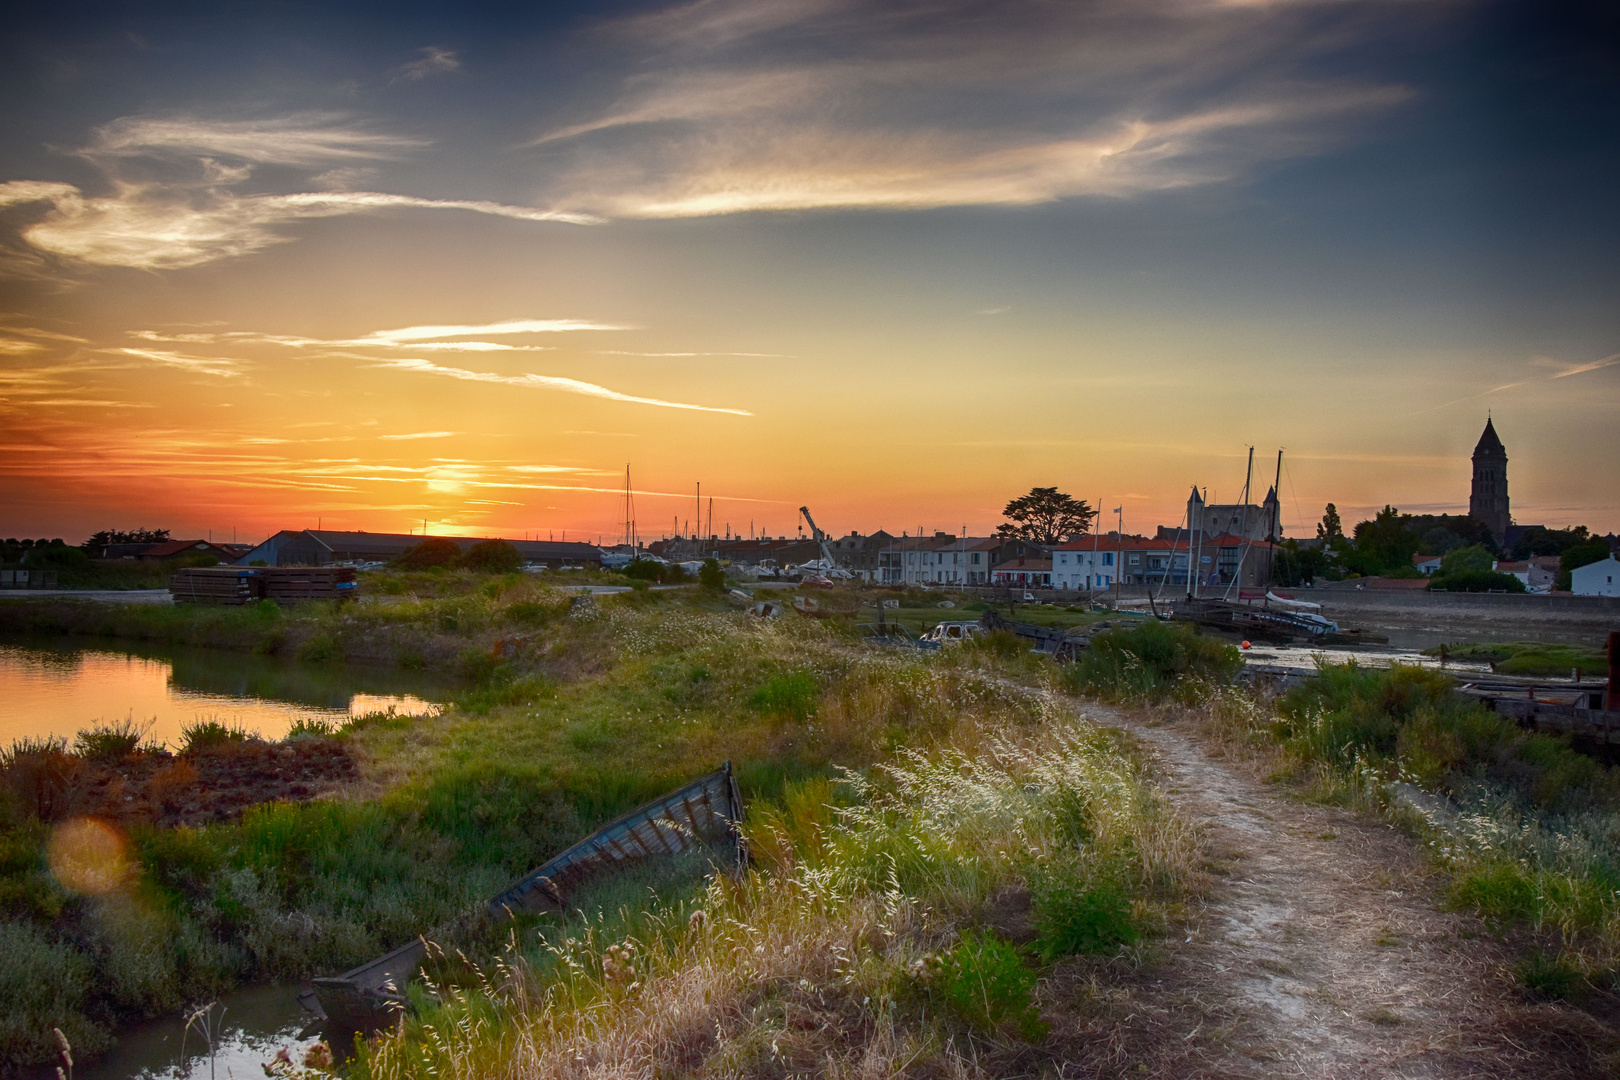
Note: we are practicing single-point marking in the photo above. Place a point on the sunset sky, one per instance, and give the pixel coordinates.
(270, 265)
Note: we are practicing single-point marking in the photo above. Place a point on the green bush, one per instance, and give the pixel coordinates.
(530, 612)
(654, 572)
(1078, 913)
(1552, 978)
(43, 984)
(985, 982)
(1412, 720)
(1151, 660)
(435, 551)
(1476, 581)
(205, 734)
(1475, 558)
(711, 576)
(110, 742)
(492, 557)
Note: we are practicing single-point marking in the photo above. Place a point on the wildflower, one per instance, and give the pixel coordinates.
(318, 1056)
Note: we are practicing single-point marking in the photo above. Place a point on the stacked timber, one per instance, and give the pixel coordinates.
(216, 585)
(292, 584)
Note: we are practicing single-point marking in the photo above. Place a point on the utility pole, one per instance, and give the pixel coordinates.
(1119, 548)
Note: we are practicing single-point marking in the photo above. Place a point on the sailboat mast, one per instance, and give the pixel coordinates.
(1276, 507)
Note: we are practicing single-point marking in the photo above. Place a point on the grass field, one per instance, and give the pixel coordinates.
(575, 714)
(931, 832)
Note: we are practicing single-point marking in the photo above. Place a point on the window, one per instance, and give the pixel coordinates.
(1108, 558)
(1136, 560)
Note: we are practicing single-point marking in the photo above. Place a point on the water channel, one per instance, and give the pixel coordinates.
(52, 686)
(56, 687)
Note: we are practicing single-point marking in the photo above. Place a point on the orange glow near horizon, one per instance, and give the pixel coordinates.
(527, 432)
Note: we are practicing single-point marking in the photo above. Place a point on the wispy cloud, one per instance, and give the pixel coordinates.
(419, 435)
(221, 366)
(510, 326)
(155, 227)
(1565, 371)
(47, 335)
(431, 61)
(249, 337)
(677, 355)
(745, 105)
(299, 139)
(546, 382)
(185, 204)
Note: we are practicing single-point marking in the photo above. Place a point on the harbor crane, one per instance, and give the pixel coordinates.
(826, 566)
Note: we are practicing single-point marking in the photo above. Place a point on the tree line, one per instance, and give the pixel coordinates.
(1383, 546)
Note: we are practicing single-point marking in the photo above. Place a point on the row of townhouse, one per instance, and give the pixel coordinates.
(1083, 565)
(1099, 563)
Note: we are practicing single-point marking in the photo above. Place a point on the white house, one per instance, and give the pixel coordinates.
(1536, 578)
(1596, 579)
(1080, 566)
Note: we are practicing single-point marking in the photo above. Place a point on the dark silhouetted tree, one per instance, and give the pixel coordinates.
(1046, 516)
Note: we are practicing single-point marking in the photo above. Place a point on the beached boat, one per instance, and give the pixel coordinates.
(704, 813)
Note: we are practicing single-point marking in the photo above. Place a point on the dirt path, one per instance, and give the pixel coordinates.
(1322, 952)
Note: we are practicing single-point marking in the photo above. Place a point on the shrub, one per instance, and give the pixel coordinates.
(43, 984)
(1475, 558)
(492, 557)
(110, 742)
(530, 612)
(1412, 719)
(1150, 660)
(711, 576)
(985, 982)
(311, 727)
(1076, 913)
(40, 773)
(1476, 581)
(1551, 978)
(207, 734)
(650, 570)
(435, 551)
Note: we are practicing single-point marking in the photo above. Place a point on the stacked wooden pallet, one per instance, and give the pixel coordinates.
(216, 585)
(291, 584)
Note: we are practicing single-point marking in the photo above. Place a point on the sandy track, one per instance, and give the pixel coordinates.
(1322, 952)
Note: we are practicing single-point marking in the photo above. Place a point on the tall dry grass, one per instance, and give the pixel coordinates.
(846, 950)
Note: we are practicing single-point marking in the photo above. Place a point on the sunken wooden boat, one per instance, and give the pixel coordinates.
(368, 998)
(705, 813)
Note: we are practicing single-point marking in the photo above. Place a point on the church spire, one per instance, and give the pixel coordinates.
(1488, 500)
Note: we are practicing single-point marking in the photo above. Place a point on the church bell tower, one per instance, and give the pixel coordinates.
(1488, 501)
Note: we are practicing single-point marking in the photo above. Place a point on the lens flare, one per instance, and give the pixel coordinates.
(88, 856)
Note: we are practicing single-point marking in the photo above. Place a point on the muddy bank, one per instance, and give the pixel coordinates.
(199, 787)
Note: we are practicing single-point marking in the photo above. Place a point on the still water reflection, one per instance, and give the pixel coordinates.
(255, 1023)
(60, 686)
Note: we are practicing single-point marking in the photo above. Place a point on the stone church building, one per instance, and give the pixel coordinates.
(1488, 500)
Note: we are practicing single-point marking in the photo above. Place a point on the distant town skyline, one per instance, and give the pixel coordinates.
(361, 266)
